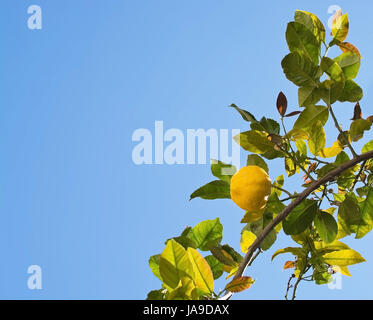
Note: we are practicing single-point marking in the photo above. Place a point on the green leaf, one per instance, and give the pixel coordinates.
(154, 265)
(268, 125)
(246, 115)
(215, 265)
(278, 183)
(300, 218)
(366, 210)
(185, 241)
(296, 251)
(203, 277)
(340, 27)
(300, 70)
(350, 64)
(233, 253)
(349, 215)
(331, 90)
(185, 290)
(254, 141)
(223, 256)
(326, 226)
(255, 160)
(301, 147)
(174, 264)
(310, 115)
(207, 234)
(367, 147)
(343, 258)
(312, 23)
(301, 40)
(156, 295)
(222, 170)
(358, 127)
(247, 239)
(216, 189)
(351, 92)
(308, 96)
(317, 138)
(239, 284)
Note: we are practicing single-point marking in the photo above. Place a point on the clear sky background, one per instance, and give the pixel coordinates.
(71, 95)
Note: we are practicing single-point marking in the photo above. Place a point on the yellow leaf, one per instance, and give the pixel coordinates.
(247, 239)
(183, 291)
(239, 284)
(343, 258)
(252, 216)
(297, 134)
(342, 270)
(340, 26)
(332, 151)
(289, 265)
(232, 272)
(203, 277)
(174, 264)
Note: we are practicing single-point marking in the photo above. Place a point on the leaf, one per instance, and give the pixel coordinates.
(312, 23)
(351, 92)
(342, 270)
(184, 241)
(300, 218)
(350, 64)
(302, 41)
(349, 215)
(156, 295)
(222, 170)
(367, 147)
(174, 264)
(251, 216)
(247, 239)
(289, 265)
(223, 256)
(357, 112)
(246, 115)
(254, 141)
(348, 47)
(279, 182)
(215, 265)
(308, 96)
(326, 226)
(366, 210)
(207, 234)
(343, 258)
(291, 114)
(358, 127)
(297, 134)
(268, 125)
(216, 189)
(233, 253)
(184, 290)
(296, 251)
(281, 103)
(299, 70)
(332, 151)
(255, 160)
(317, 138)
(331, 90)
(203, 277)
(239, 284)
(340, 26)
(154, 265)
(301, 147)
(310, 115)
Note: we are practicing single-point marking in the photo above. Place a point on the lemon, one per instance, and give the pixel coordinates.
(250, 188)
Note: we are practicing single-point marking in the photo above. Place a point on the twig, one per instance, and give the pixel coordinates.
(281, 189)
(358, 175)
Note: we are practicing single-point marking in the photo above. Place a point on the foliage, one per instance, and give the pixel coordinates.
(339, 207)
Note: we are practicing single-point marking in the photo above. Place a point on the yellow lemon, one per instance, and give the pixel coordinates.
(250, 188)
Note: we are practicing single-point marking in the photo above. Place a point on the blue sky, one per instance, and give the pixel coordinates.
(72, 94)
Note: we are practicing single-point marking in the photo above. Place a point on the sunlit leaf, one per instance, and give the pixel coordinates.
(154, 265)
(299, 252)
(308, 96)
(289, 265)
(203, 276)
(215, 265)
(312, 22)
(350, 64)
(255, 160)
(310, 115)
(367, 147)
(340, 26)
(348, 47)
(184, 290)
(174, 264)
(247, 239)
(343, 258)
(246, 115)
(254, 141)
(332, 151)
(351, 92)
(358, 127)
(207, 234)
(239, 284)
(366, 209)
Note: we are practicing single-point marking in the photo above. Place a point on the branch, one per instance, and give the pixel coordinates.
(301, 196)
